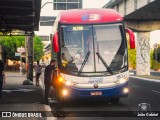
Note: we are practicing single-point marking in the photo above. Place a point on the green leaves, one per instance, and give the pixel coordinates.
(11, 43)
(132, 57)
(38, 48)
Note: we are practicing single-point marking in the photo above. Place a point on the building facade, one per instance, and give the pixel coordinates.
(49, 11)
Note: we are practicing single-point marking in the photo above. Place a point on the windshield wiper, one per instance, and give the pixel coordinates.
(104, 63)
(84, 62)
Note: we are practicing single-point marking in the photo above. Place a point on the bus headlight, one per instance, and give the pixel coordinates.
(125, 90)
(122, 80)
(69, 83)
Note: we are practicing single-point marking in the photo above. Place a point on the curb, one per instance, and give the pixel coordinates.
(145, 79)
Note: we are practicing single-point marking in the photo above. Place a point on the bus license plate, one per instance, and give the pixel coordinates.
(97, 93)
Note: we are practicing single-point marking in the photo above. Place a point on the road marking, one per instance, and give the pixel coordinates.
(136, 86)
(156, 91)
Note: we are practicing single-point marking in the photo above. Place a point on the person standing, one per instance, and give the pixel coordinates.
(48, 78)
(38, 69)
(2, 79)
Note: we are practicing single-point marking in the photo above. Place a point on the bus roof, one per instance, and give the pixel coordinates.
(86, 16)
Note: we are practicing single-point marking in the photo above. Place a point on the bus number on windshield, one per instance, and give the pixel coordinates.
(77, 28)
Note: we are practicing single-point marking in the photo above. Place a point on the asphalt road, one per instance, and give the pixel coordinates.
(141, 91)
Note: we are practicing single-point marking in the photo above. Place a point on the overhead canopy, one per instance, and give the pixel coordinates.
(19, 15)
(146, 13)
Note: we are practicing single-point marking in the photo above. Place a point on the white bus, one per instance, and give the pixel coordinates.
(92, 55)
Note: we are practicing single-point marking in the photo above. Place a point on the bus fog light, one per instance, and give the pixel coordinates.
(125, 90)
(64, 92)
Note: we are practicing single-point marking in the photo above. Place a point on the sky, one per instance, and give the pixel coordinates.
(94, 3)
(155, 38)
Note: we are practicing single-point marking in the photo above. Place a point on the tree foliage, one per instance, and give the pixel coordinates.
(38, 48)
(132, 57)
(11, 43)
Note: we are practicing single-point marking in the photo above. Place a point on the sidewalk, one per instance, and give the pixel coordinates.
(18, 97)
(132, 74)
(154, 73)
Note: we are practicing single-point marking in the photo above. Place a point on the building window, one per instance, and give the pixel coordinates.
(48, 23)
(44, 38)
(72, 6)
(67, 4)
(61, 6)
(47, 20)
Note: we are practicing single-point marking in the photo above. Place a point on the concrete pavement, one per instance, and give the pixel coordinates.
(21, 98)
(152, 72)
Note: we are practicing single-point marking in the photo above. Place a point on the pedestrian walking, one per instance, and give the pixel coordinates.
(38, 69)
(48, 78)
(2, 79)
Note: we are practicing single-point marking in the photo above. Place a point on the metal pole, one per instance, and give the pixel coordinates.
(26, 51)
(30, 57)
(20, 64)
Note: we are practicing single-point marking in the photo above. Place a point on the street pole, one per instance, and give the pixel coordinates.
(30, 57)
(20, 64)
(26, 52)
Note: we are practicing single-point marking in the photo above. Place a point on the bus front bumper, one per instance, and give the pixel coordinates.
(79, 93)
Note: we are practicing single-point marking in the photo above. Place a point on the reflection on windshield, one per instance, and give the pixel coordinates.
(93, 48)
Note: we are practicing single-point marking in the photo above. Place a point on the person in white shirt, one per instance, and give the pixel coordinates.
(38, 69)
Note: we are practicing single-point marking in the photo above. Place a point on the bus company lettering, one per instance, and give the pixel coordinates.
(123, 75)
(95, 80)
(91, 17)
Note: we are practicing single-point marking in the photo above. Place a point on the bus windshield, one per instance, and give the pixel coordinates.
(93, 48)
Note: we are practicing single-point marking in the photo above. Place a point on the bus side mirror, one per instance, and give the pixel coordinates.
(55, 42)
(131, 38)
